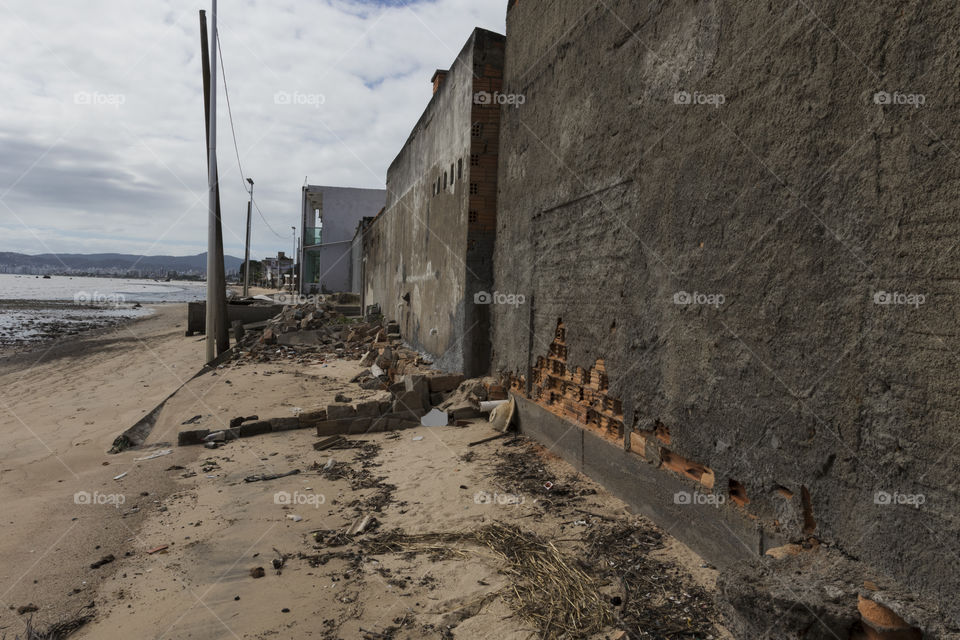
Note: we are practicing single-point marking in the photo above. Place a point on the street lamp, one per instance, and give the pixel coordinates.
(246, 267)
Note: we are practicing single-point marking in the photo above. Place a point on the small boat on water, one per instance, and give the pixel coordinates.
(46, 277)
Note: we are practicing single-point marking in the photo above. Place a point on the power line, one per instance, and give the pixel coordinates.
(236, 147)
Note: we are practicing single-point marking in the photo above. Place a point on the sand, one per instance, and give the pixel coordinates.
(62, 413)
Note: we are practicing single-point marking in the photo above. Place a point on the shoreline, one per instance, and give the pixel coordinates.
(56, 333)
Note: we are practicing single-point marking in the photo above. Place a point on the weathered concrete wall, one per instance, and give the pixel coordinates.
(676, 150)
(356, 254)
(424, 263)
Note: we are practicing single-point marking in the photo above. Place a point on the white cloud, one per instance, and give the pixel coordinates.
(102, 123)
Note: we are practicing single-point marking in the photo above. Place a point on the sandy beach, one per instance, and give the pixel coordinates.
(65, 511)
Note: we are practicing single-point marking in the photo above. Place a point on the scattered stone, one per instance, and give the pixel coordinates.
(257, 572)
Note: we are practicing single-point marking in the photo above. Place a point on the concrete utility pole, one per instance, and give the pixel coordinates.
(293, 262)
(211, 326)
(246, 268)
(218, 340)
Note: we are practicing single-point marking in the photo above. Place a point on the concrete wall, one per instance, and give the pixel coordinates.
(737, 150)
(427, 255)
(356, 254)
(341, 209)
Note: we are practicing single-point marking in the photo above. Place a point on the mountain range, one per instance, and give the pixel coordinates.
(119, 264)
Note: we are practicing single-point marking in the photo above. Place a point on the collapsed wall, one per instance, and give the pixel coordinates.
(731, 226)
(429, 255)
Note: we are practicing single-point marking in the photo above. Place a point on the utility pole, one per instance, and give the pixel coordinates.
(211, 326)
(293, 262)
(217, 338)
(246, 268)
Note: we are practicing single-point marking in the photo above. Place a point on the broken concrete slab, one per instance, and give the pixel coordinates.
(445, 382)
(309, 419)
(410, 402)
(196, 436)
(368, 409)
(257, 428)
(464, 412)
(340, 412)
(374, 384)
(284, 424)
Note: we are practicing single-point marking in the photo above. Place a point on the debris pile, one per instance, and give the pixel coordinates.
(311, 331)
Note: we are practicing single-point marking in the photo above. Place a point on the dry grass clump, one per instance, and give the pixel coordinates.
(559, 599)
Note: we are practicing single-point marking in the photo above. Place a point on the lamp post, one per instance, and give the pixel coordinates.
(246, 267)
(293, 259)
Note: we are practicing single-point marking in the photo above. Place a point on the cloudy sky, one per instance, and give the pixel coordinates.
(101, 122)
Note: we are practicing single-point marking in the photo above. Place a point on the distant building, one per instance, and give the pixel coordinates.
(276, 269)
(329, 221)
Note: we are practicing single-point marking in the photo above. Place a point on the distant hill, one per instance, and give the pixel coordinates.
(110, 264)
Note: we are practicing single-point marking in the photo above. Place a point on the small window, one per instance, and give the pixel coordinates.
(474, 159)
(477, 130)
(438, 185)
(444, 179)
(451, 175)
(473, 216)
(474, 188)
(460, 169)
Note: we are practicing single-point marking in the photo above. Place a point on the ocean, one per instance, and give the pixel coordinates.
(34, 309)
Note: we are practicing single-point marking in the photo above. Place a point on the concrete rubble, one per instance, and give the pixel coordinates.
(409, 388)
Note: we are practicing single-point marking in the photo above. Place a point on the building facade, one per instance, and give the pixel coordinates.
(429, 254)
(330, 216)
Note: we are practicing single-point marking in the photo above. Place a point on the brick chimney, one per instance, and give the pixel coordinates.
(438, 77)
